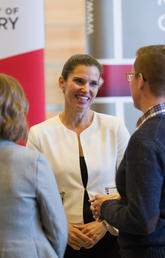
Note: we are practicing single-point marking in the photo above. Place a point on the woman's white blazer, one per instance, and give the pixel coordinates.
(103, 144)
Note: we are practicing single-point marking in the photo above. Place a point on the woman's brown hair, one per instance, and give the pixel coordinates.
(79, 59)
(13, 109)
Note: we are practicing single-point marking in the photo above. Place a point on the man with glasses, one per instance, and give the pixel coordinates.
(139, 214)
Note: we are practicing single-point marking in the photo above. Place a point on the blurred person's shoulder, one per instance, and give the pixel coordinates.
(19, 154)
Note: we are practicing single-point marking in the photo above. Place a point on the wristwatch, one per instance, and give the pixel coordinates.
(105, 225)
(112, 230)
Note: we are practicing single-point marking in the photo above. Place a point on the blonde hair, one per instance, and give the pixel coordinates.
(13, 109)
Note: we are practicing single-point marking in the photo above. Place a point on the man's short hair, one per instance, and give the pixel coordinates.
(150, 61)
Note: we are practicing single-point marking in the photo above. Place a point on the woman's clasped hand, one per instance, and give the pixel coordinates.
(86, 235)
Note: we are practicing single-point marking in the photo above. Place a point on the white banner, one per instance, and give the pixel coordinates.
(21, 26)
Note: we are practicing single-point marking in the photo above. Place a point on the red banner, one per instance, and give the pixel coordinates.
(115, 83)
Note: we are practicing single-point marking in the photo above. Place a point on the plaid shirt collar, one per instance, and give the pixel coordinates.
(152, 111)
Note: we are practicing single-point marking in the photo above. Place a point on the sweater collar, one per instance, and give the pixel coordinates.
(152, 111)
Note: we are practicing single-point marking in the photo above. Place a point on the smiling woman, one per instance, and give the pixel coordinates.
(84, 149)
(80, 89)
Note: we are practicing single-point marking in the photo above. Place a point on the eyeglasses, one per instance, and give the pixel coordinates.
(129, 76)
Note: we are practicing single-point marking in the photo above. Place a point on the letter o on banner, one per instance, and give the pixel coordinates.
(161, 22)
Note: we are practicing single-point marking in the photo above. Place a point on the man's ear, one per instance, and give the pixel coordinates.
(141, 81)
(61, 83)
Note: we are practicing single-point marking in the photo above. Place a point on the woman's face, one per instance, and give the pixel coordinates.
(81, 87)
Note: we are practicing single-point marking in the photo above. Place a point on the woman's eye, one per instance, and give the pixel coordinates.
(78, 81)
(94, 84)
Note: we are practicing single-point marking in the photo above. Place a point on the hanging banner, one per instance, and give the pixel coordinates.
(22, 50)
(115, 29)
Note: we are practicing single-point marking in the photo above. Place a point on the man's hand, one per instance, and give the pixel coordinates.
(97, 201)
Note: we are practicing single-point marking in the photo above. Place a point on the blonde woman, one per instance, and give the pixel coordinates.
(32, 218)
